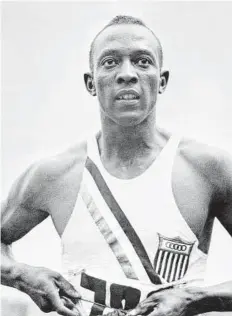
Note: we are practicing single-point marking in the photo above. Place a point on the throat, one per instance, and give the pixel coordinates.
(127, 171)
(128, 160)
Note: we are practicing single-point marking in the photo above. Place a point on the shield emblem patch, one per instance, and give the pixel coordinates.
(172, 258)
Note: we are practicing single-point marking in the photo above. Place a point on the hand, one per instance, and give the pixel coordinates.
(48, 289)
(171, 302)
(115, 313)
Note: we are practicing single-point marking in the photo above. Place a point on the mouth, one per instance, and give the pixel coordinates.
(129, 95)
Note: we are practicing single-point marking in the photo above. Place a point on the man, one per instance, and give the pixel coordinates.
(134, 206)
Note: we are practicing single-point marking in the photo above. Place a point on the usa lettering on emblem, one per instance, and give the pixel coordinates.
(172, 258)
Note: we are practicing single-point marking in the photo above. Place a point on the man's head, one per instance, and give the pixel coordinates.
(124, 19)
(126, 62)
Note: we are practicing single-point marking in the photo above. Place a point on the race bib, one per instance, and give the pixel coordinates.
(101, 296)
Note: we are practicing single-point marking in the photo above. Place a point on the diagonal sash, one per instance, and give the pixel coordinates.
(107, 233)
(122, 220)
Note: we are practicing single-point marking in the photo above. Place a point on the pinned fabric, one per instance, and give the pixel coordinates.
(123, 221)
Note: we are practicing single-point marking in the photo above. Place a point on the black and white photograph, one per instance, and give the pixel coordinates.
(116, 158)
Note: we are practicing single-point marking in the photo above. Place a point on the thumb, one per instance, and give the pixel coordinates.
(144, 308)
(66, 289)
(134, 312)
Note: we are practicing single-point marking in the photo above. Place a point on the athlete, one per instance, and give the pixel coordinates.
(133, 205)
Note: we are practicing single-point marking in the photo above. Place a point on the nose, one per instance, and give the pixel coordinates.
(127, 73)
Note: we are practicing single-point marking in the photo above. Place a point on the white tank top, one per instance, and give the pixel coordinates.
(127, 236)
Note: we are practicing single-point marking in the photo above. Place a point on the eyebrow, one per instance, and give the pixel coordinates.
(107, 52)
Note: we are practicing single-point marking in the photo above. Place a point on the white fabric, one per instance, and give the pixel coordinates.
(149, 204)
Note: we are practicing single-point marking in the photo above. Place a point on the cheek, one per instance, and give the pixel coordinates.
(150, 84)
(150, 77)
(104, 83)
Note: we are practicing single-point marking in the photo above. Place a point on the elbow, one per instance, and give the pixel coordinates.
(5, 237)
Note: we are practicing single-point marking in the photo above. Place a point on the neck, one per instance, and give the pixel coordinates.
(126, 145)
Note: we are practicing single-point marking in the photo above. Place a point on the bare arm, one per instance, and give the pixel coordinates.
(26, 207)
(18, 217)
(187, 301)
(223, 210)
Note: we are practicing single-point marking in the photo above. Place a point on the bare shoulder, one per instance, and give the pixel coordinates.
(40, 192)
(56, 167)
(37, 185)
(213, 163)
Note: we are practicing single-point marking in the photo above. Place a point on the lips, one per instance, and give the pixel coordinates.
(127, 95)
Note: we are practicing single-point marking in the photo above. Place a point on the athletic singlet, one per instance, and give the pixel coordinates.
(125, 237)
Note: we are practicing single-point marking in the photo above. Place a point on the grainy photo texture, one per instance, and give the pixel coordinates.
(116, 158)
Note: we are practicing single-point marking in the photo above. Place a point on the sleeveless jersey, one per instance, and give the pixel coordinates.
(126, 237)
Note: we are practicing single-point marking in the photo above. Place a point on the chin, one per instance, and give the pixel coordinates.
(129, 119)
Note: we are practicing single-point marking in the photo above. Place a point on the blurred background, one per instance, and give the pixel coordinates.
(45, 106)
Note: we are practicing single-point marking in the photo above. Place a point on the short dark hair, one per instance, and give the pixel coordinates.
(125, 19)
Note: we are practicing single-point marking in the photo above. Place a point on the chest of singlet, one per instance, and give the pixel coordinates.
(125, 236)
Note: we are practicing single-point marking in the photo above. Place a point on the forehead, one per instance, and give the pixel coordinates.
(125, 38)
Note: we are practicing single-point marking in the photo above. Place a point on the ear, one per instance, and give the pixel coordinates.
(89, 83)
(164, 76)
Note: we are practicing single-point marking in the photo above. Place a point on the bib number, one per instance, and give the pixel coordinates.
(121, 296)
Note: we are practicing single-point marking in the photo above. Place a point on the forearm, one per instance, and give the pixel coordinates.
(11, 270)
(213, 298)
(42, 285)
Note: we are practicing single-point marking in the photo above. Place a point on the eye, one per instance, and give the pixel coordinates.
(143, 62)
(109, 62)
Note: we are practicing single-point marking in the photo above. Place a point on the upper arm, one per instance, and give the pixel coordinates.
(22, 210)
(224, 209)
(40, 191)
(215, 165)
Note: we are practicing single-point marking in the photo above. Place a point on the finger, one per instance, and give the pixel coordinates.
(156, 312)
(58, 305)
(67, 302)
(42, 302)
(66, 289)
(147, 304)
(62, 310)
(142, 309)
(134, 312)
